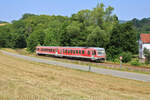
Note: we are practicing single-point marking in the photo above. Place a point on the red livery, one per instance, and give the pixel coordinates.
(92, 53)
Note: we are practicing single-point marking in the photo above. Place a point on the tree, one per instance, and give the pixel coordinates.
(123, 39)
(4, 36)
(32, 42)
(97, 38)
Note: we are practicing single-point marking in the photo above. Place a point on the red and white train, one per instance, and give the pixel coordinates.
(92, 53)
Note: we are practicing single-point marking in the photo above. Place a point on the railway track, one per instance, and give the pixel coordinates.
(104, 64)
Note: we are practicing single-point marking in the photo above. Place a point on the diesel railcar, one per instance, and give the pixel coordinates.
(92, 53)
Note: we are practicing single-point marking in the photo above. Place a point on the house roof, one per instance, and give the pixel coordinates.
(145, 38)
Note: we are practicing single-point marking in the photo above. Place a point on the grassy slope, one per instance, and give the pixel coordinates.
(24, 80)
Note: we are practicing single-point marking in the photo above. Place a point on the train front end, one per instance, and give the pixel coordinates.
(100, 54)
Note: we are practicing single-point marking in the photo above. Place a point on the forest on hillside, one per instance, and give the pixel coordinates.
(88, 28)
(142, 26)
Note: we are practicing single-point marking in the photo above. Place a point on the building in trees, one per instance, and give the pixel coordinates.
(144, 42)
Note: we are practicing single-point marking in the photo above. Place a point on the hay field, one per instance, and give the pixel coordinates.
(2, 24)
(24, 80)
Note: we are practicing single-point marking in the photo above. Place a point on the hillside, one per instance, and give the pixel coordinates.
(122, 21)
(2, 22)
(143, 25)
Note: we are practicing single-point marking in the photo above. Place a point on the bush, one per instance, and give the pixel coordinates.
(147, 56)
(127, 56)
(135, 63)
(116, 60)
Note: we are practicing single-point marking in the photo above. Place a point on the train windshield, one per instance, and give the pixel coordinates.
(101, 52)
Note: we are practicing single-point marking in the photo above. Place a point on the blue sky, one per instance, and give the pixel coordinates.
(124, 9)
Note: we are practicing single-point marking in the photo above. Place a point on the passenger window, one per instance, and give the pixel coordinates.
(37, 49)
(82, 51)
(79, 51)
(65, 51)
(76, 51)
(71, 51)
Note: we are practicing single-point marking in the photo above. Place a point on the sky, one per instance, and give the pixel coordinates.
(124, 9)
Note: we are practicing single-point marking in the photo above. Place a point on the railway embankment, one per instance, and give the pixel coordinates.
(121, 74)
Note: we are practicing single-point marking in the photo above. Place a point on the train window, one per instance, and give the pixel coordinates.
(76, 51)
(93, 52)
(82, 51)
(73, 51)
(68, 51)
(88, 52)
(37, 49)
(65, 51)
(79, 51)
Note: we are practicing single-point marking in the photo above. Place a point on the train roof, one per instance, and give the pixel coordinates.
(97, 48)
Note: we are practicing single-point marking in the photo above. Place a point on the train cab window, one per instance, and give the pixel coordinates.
(82, 51)
(76, 51)
(93, 52)
(88, 52)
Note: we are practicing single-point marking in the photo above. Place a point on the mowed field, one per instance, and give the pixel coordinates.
(24, 80)
(3, 24)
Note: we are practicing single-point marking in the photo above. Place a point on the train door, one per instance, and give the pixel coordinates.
(93, 54)
(56, 52)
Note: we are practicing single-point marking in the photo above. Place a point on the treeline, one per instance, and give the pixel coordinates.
(142, 25)
(89, 28)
